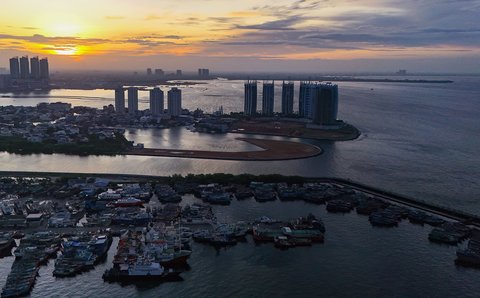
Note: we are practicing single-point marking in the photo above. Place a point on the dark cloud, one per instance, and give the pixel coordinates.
(401, 25)
(172, 37)
(283, 24)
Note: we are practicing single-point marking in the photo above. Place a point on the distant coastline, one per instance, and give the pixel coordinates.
(85, 85)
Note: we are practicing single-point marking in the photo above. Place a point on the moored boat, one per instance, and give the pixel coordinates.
(128, 202)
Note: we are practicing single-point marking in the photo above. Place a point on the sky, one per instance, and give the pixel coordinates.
(248, 35)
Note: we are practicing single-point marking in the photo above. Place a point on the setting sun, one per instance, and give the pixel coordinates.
(67, 51)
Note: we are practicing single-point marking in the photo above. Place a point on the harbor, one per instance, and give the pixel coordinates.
(155, 225)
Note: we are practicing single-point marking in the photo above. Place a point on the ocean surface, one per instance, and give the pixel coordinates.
(419, 140)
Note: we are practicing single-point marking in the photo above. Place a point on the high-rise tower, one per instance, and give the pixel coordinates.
(268, 98)
(305, 100)
(44, 71)
(174, 104)
(24, 68)
(132, 100)
(250, 101)
(34, 68)
(287, 98)
(325, 104)
(156, 101)
(14, 68)
(120, 100)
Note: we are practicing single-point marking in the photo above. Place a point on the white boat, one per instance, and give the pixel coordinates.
(144, 268)
(109, 195)
(128, 202)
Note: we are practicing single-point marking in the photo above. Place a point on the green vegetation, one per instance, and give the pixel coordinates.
(94, 146)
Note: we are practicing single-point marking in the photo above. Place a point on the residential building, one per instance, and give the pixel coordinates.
(156, 101)
(132, 100)
(174, 104)
(120, 100)
(34, 68)
(24, 68)
(250, 101)
(287, 98)
(14, 68)
(44, 71)
(325, 104)
(203, 72)
(305, 100)
(268, 98)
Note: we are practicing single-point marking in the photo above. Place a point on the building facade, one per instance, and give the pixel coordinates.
(305, 99)
(203, 72)
(174, 104)
(14, 68)
(120, 100)
(325, 104)
(44, 70)
(287, 98)
(132, 100)
(35, 68)
(156, 101)
(250, 101)
(268, 98)
(24, 68)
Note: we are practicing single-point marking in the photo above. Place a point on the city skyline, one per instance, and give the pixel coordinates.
(301, 36)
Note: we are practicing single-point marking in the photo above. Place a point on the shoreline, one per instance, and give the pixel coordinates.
(294, 129)
(350, 137)
(196, 80)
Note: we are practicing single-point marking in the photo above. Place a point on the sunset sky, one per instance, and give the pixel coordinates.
(304, 35)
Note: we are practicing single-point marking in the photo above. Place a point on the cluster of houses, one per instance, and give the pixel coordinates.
(54, 122)
(56, 203)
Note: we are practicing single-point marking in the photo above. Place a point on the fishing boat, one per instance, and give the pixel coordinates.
(128, 202)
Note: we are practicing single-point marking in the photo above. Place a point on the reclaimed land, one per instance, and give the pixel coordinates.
(294, 129)
(272, 150)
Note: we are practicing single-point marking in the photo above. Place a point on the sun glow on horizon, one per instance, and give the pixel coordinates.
(66, 51)
(300, 31)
